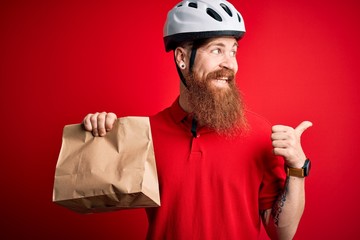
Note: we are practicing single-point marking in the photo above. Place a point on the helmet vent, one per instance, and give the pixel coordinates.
(213, 14)
(193, 5)
(227, 9)
(180, 5)
(239, 18)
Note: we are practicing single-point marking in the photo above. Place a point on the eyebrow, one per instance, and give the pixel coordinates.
(221, 44)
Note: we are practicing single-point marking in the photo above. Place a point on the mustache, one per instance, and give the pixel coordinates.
(222, 73)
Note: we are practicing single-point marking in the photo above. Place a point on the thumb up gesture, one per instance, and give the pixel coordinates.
(286, 143)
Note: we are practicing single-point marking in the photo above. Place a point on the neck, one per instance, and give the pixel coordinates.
(183, 99)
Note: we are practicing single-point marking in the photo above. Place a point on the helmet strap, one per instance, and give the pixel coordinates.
(182, 78)
(191, 64)
(192, 58)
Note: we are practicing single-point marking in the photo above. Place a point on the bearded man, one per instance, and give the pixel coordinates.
(218, 175)
(209, 91)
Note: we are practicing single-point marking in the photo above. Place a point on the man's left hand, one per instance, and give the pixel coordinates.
(286, 143)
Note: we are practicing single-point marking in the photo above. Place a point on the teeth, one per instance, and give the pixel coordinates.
(221, 80)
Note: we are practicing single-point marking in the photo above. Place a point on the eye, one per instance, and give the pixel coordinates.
(216, 51)
(233, 53)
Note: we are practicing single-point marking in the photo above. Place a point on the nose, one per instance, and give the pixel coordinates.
(229, 62)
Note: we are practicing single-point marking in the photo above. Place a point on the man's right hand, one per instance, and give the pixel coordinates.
(99, 123)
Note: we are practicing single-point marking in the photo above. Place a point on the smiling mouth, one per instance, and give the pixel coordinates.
(221, 78)
(221, 82)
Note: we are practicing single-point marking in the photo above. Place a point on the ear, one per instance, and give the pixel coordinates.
(181, 56)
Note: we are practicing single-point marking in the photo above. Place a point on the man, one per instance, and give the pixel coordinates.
(218, 173)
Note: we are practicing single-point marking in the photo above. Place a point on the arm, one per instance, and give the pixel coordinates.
(99, 123)
(282, 220)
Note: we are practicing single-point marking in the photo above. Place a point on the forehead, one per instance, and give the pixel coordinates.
(223, 41)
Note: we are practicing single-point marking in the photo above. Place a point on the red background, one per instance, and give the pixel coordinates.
(60, 60)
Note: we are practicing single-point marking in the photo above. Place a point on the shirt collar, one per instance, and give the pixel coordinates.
(177, 113)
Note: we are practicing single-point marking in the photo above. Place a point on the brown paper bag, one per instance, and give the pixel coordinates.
(99, 174)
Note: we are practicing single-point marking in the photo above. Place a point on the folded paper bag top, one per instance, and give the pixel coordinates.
(101, 174)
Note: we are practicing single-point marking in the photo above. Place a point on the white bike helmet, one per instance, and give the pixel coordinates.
(191, 20)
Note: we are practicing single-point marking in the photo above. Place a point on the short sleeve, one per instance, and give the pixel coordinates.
(272, 182)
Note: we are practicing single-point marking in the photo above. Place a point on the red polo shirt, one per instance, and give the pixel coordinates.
(212, 187)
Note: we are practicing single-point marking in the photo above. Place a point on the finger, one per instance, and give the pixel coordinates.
(110, 120)
(302, 127)
(281, 128)
(279, 151)
(86, 123)
(283, 152)
(280, 144)
(101, 124)
(279, 136)
(94, 122)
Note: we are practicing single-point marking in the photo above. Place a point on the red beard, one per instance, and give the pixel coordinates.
(220, 109)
